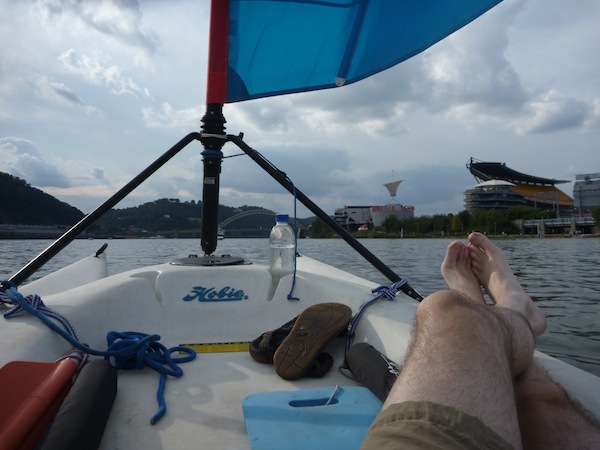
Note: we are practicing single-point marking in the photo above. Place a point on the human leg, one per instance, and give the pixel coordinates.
(490, 266)
(547, 416)
(466, 354)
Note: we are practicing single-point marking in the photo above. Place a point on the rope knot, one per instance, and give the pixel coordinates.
(31, 304)
(389, 292)
(383, 292)
(13, 297)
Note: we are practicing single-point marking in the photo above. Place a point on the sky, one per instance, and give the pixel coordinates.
(91, 92)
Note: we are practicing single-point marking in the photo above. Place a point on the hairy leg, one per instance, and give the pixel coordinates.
(490, 266)
(466, 355)
(548, 418)
(456, 270)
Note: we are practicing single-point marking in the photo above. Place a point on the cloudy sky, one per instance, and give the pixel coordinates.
(91, 92)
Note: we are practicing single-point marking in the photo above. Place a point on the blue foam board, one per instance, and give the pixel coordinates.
(301, 419)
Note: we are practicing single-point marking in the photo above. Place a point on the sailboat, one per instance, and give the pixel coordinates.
(184, 327)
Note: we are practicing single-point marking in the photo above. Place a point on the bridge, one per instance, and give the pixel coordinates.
(251, 212)
(566, 225)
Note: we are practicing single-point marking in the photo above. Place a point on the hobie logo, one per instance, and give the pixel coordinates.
(204, 294)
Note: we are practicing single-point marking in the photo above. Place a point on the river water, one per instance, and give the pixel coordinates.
(561, 274)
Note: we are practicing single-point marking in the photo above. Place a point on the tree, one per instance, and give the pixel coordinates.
(596, 216)
(457, 224)
(493, 221)
(24, 204)
(318, 229)
(391, 224)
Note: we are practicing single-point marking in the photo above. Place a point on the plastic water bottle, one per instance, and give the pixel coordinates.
(282, 248)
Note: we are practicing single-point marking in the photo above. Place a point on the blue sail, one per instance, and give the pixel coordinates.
(284, 46)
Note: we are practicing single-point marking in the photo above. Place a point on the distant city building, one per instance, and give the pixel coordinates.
(493, 194)
(586, 192)
(354, 217)
(401, 212)
(530, 190)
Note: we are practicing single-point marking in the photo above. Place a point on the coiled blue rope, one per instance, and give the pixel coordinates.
(383, 292)
(127, 350)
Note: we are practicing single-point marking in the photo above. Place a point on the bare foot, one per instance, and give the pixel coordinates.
(490, 266)
(456, 270)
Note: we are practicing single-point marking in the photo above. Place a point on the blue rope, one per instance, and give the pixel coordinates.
(36, 303)
(128, 350)
(383, 292)
(290, 295)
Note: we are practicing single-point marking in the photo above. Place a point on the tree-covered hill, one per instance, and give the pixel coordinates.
(170, 217)
(25, 205)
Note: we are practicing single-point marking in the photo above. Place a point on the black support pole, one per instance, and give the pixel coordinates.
(80, 226)
(213, 126)
(282, 179)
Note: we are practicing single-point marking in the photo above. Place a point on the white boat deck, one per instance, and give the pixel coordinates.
(204, 407)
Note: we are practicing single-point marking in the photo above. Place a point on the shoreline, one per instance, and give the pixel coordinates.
(367, 235)
(356, 235)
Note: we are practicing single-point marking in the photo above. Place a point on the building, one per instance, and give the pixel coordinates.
(586, 192)
(493, 194)
(353, 217)
(522, 189)
(401, 212)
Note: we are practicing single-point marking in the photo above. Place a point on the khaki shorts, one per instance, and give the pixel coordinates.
(426, 425)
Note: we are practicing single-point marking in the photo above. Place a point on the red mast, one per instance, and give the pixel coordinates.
(213, 122)
(216, 89)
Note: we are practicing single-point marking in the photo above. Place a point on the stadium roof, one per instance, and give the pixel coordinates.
(486, 171)
(495, 183)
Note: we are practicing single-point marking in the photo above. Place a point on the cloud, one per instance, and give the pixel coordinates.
(61, 93)
(121, 20)
(98, 173)
(305, 164)
(78, 76)
(469, 77)
(22, 159)
(94, 72)
(554, 112)
(272, 115)
(169, 117)
(593, 121)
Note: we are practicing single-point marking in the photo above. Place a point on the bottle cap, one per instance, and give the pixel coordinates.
(282, 218)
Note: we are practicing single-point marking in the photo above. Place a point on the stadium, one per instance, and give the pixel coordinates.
(501, 187)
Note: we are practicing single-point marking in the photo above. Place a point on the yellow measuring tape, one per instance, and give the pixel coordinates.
(219, 347)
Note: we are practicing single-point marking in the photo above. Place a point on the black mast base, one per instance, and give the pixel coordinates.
(210, 260)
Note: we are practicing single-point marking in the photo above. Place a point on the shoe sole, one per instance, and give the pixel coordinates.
(313, 330)
(263, 353)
